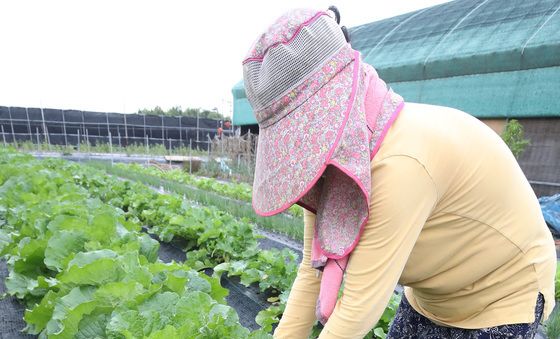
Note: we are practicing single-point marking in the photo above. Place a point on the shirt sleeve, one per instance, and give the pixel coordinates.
(403, 197)
(299, 317)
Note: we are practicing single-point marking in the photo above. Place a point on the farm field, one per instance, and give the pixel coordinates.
(89, 249)
(82, 267)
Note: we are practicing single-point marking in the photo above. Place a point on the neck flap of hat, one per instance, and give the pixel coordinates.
(341, 197)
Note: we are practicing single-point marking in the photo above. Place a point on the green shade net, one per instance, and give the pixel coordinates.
(490, 58)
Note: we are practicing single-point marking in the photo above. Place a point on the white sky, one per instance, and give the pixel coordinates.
(120, 56)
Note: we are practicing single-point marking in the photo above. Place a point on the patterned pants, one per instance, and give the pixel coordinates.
(409, 324)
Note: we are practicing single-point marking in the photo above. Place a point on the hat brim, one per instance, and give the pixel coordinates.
(293, 153)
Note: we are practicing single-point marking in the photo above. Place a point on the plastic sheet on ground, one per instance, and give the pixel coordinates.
(550, 207)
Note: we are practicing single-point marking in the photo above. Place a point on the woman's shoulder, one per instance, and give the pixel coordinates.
(414, 125)
(423, 130)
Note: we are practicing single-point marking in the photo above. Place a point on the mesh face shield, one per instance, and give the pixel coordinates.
(284, 66)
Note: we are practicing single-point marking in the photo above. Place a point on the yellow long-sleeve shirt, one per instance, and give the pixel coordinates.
(453, 219)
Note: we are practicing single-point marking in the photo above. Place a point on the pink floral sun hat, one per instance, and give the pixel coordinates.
(322, 115)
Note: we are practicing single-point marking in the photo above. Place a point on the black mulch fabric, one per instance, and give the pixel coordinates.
(11, 311)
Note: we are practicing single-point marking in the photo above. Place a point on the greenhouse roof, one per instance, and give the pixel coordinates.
(491, 58)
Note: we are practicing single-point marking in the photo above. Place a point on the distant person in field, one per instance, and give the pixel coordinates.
(394, 192)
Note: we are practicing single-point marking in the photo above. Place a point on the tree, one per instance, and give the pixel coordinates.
(156, 111)
(513, 136)
(175, 111)
(189, 112)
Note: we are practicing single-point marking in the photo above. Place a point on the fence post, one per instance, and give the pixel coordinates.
(79, 140)
(147, 144)
(29, 126)
(13, 132)
(12, 125)
(3, 135)
(107, 120)
(180, 134)
(190, 156)
(64, 128)
(197, 129)
(209, 144)
(119, 138)
(144, 116)
(250, 145)
(38, 142)
(87, 141)
(125, 131)
(110, 146)
(48, 138)
(162, 132)
(110, 142)
(14, 138)
(44, 124)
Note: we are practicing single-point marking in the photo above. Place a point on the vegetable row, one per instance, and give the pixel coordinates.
(84, 269)
(282, 223)
(274, 271)
(234, 190)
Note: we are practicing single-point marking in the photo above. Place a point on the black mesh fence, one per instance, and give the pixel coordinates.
(70, 127)
(541, 160)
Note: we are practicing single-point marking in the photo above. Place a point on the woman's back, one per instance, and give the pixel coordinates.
(484, 253)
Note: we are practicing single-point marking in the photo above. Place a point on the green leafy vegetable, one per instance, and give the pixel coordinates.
(76, 257)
